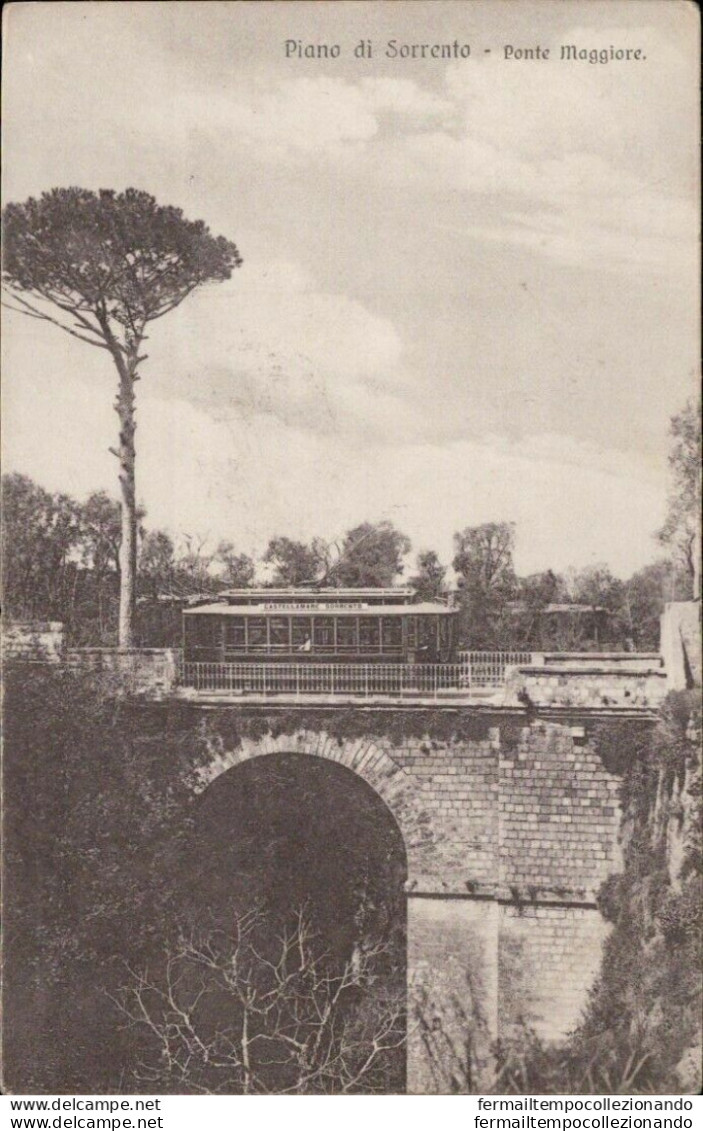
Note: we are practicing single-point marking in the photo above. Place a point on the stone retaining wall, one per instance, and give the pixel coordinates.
(151, 672)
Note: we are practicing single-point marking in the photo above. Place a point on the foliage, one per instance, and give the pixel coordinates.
(261, 1010)
(60, 561)
(101, 533)
(294, 563)
(101, 267)
(646, 593)
(96, 790)
(157, 562)
(232, 725)
(633, 608)
(238, 570)
(483, 559)
(111, 261)
(526, 1064)
(371, 555)
(429, 581)
(681, 529)
(535, 594)
(41, 533)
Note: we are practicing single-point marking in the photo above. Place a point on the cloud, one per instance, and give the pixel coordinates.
(302, 116)
(549, 156)
(270, 344)
(403, 96)
(292, 118)
(578, 209)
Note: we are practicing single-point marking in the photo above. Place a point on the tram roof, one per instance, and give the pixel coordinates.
(424, 608)
(398, 595)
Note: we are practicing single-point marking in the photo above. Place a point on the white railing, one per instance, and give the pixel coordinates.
(363, 680)
(487, 669)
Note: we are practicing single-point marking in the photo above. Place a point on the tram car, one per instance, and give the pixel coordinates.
(325, 625)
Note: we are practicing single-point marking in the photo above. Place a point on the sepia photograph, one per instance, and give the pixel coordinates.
(351, 492)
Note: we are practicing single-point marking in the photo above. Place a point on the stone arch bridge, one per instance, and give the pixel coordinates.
(510, 825)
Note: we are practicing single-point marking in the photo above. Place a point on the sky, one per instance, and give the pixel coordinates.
(470, 285)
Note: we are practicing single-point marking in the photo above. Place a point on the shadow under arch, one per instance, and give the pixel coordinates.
(366, 760)
(291, 831)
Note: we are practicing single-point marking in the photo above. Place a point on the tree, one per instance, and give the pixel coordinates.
(294, 562)
(239, 569)
(371, 555)
(157, 561)
(681, 530)
(85, 860)
(483, 559)
(41, 536)
(102, 266)
(536, 593)
(428, 582)
(101, 529)
(100, 520)
(646, 593)
(261, 1011)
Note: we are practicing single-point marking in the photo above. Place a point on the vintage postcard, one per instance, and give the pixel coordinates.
(351, 553)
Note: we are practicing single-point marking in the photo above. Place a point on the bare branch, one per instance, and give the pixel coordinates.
(260, 1012)
(31, 312)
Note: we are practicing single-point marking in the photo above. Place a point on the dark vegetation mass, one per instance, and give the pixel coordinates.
(117, 872)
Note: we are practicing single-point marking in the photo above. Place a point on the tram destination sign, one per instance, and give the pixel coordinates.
(316, 605)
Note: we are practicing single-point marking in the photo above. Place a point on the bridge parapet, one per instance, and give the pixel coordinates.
(550, 683)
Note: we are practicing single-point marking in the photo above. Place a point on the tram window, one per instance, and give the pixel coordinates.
(257, 634)
(279, 635)
(346, 635)
(369, 634)
(235, 636)
(302, 632)
(323, 632)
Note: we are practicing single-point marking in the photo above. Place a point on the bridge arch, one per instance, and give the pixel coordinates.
(363, 757)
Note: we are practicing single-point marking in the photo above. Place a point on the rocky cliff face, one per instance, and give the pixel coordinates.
(648, 996)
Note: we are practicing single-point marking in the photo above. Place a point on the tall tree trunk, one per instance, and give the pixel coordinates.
(128, 546)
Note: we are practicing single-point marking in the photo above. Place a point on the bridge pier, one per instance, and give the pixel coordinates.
(452, 991)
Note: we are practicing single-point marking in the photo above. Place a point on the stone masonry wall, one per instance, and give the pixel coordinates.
(607, 687)
(33, 640)
(456, 785)
(559, 816)
(548, 959)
